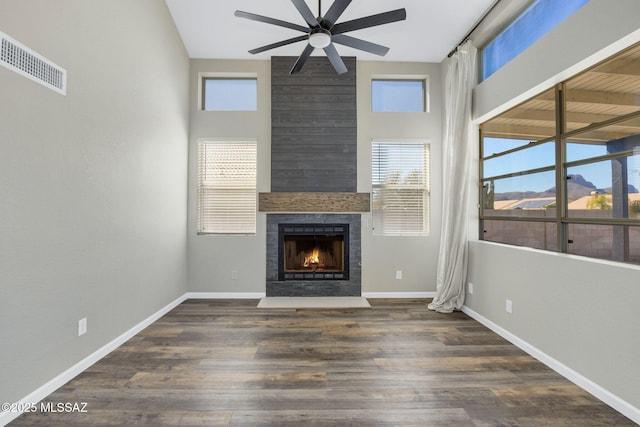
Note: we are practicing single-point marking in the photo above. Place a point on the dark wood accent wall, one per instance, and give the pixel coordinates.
(314, 124)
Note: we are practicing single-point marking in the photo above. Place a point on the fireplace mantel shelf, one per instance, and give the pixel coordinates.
(292, 202)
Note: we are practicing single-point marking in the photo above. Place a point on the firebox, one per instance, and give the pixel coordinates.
(313, 252)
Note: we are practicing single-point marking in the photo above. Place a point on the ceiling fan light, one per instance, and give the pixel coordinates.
(320, 39)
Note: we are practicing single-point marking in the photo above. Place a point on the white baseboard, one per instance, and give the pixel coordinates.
(399, 294)
(620, 405)
(42, 392)
(260, 295)
(224, 295)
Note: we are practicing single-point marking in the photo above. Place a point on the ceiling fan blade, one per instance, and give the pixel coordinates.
(370, 21)
(335, 11)
(334, 58)
(302, 59)
(359, 44)
(278, 44)
(273, 21)
(306, 13)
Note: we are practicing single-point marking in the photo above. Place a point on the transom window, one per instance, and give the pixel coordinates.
(540, 18)
(229, 94)
(399, 95)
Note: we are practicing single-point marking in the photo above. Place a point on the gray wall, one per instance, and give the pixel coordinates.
(92, 184)
(580, 311)
(212, 258)
(382, 256)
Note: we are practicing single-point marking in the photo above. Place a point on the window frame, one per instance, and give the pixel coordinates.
(424, 188)
(202, 86)
(202, 188)
(526, 39)
(405, 78)
(565, 218)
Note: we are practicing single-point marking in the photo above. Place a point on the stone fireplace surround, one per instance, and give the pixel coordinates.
(350, 287)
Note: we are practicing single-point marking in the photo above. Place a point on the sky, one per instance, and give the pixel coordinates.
(399, 96)
(541, 17)
(544, 155)
(228, 94)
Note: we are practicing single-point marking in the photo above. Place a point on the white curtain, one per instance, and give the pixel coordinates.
(458, 145)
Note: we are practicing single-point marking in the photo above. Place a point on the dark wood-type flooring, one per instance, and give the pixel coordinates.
(227, 363)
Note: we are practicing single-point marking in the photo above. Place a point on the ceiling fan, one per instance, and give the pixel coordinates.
(323, 31)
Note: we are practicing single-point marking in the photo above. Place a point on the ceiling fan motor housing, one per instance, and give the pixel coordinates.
(319, 38)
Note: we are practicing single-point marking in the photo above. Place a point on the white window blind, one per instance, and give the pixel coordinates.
(400, 188)
(227, 187)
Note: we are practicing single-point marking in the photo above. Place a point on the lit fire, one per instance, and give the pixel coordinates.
(313, 260)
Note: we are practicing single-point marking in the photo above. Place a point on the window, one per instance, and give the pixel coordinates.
(226, 187)
(540, 18)
(229, 94)
(400, 188)
(576, 190)
(399, 96)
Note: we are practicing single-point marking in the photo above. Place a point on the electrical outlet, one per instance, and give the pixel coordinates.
(399, 275)
(234, 274)
(470, 287)
(82, 326)
(509, 306)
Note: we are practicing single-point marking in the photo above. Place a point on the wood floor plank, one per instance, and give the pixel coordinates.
(228, 363)
(404, 418)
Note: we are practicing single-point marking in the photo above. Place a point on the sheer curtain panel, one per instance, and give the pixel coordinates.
(457, 153)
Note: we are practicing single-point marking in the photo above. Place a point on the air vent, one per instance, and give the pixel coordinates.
(19, 58)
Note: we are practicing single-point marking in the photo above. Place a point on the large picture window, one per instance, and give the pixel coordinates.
(400, 188)
(227, 187)
(568, 182)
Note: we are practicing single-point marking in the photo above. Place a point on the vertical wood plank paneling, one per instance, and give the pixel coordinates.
(314, 123)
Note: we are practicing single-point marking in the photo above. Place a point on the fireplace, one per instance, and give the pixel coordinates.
(313, 251)
(330, 245)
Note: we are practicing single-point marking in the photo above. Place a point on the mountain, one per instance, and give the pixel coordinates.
(577, 187)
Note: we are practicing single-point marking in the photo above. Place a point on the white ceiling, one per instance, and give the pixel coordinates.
(432, 29)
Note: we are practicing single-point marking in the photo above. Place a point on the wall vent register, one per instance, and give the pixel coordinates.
(28, 63)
